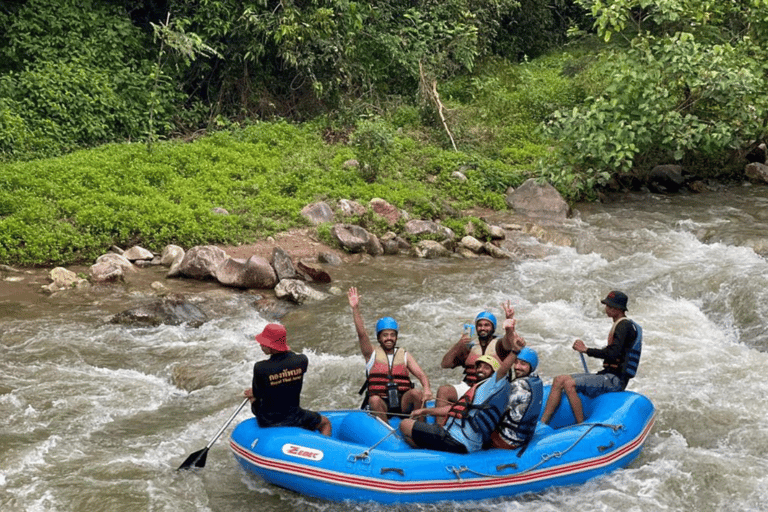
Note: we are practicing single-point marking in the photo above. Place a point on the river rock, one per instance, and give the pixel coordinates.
(136, 253)
(497, 233)
(110, 267)
(473, 244)
(272, 309)
(496, 252)
(430, 249)
(353, 238)
(315, 273)
(63, 279)
(385, 210)
(756, 171)
(418, 227)
(165, 311)
(465, 252)
(200, 262)
(298, 292)
(330, 258)
(666, 179)
(317, 213)
(172, 255)
(540, 201)
(283, 265)
(350, 208)
(394, 243)
(389, 245)
(192, 377)
(255, 272)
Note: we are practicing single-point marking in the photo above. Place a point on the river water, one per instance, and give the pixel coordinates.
(97, 417)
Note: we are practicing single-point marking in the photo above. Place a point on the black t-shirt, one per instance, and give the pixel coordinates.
(613, 355)
(277, 385)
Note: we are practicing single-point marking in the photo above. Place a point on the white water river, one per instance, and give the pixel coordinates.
(97, 417)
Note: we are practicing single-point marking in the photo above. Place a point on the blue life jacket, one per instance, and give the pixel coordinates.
(527, 425)
(632, 357)
(475, 416)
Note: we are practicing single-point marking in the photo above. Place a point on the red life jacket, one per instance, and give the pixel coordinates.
(381, 373)
(460, 409)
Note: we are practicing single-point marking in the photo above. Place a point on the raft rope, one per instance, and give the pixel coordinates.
(457, 471)
(366, 453)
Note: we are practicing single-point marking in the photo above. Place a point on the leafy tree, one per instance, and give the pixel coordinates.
(74, 73)
(690, 87)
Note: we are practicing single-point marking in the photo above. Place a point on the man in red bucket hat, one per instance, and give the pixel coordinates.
(277, 383)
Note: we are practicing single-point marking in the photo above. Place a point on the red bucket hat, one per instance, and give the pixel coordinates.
(274, 337)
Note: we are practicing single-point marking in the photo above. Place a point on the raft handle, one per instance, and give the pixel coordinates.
(605, 448)
(393, 470)
(506, 466)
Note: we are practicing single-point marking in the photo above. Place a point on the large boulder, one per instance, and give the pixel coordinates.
(350, 208)
(138, 253)
(255, 272)
(200, 262)
(429, 249)
(354, 239)
(165, 311)
(539, 201)
(757, 172)
(172, 255)
(64, 279)
(420, 228)
(317, 213)
(666, 179)
(283, 265)
(110, 267)
(386, 210)
(473, 244)
(314, 272)
(495, 251)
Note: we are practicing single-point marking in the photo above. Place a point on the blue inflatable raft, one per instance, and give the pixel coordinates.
(366, 460)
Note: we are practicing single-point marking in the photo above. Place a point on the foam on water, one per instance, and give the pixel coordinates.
(97, 416)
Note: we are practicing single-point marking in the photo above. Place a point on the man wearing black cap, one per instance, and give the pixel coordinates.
(620, 359)
(277, 384)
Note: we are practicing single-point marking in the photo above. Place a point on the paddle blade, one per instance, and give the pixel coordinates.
(197, 459)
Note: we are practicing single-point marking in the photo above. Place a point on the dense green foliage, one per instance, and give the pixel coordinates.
(72, 208)
(413, 89)
(72, 73)
(685, 83)
(82, 73)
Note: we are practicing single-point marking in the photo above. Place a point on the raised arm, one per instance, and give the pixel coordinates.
(457, 353)
(416, 370)
(511, 340)
(362, 337)
(516, 344)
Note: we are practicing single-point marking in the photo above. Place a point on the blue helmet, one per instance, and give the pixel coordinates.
(386, 323)
(486, 315)
(529, 356)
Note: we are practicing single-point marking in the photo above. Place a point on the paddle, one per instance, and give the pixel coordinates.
(583, 362)
(197, 459)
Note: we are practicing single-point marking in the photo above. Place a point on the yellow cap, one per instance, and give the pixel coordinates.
(489, 360)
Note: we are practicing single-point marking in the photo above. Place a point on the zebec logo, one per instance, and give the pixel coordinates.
(302, 452)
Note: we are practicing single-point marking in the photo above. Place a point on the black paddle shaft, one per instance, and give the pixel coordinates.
(197, 459)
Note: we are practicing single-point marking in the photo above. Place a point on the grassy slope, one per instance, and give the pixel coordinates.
(70, 209)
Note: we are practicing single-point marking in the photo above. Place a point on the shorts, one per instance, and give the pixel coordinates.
(308, 420)
(461, 388)
(592, 385)
(435, 437)
(497, 442)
